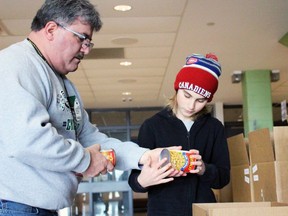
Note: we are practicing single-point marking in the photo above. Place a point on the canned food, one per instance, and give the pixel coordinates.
(110, 155)
(180, 160)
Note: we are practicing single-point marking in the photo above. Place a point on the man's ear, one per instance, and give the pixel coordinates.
(50, 29)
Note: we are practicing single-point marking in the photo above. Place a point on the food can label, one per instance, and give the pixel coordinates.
(110, 155)
(180, 160)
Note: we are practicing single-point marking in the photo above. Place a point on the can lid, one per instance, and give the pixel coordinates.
(165, 154)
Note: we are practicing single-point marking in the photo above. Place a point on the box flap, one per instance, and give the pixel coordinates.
(200, 209)
(260, 146)
(237, 150)
(252, 211)
(280, 135)
(236, 209)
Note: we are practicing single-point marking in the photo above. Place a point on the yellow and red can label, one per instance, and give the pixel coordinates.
(110, 155)
(180, 160)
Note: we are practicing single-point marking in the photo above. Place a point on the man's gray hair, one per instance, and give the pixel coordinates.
(66, 12)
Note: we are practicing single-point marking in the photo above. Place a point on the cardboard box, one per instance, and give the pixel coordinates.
(263, 182)
(239, 209)
(259, 165)
(240, 169)
(262, 159)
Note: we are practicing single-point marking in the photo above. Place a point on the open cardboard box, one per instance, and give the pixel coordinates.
(259, 165)
(240, 209)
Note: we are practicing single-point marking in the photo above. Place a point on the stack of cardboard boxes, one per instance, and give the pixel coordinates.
(259, 166)
(259, 176)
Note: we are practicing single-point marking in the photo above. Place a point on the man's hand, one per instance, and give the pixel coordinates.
(154, 154)
(98, 163)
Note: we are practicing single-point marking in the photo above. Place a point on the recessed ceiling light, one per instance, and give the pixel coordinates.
(125, 63)
(122, 8)
(126, 93)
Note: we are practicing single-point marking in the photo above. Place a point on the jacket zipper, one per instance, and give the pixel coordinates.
(188, 140)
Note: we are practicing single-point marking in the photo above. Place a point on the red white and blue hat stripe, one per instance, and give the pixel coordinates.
(208, 63)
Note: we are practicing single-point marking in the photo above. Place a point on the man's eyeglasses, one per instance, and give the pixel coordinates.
(85, 40)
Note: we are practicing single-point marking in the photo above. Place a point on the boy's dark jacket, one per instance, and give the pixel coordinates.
(206, 135)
